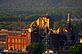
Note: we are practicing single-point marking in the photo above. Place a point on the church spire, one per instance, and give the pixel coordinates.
(68, 19)
(69, 22)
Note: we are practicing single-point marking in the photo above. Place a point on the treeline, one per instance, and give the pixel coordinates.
(36, 12)
(55, 14)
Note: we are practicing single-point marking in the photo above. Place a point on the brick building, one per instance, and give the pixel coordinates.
(14, 39)
(18, 42)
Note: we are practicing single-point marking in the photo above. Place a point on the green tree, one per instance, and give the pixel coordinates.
(35, 48)
(56, 25)
(76, 49)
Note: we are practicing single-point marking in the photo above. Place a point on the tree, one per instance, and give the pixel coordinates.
(76, 49)
(56, 25)
(35, 48)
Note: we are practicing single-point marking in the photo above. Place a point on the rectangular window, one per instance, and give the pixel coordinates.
(8, 40)
(12, 40)
(16, 41)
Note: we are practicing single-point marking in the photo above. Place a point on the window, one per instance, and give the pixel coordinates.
(16, 41)
(19, 40)
(12, 40)
(8, 40)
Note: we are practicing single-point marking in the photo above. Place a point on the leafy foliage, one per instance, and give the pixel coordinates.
(56, 25)
(35, 48)
(76, 49)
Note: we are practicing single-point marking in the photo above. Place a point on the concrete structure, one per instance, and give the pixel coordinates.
(38, 27)
(53, 39)
(43, 22)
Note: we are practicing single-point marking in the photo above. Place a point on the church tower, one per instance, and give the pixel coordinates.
(69, 19)
(69, 22)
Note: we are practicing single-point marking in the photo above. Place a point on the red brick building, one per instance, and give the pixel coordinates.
(18, 41)
(14, 39)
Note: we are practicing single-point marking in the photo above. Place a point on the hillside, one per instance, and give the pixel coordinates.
(28, 7)
(11, 10)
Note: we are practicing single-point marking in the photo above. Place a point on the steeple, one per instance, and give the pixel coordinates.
(68, 19)
(69, 22)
